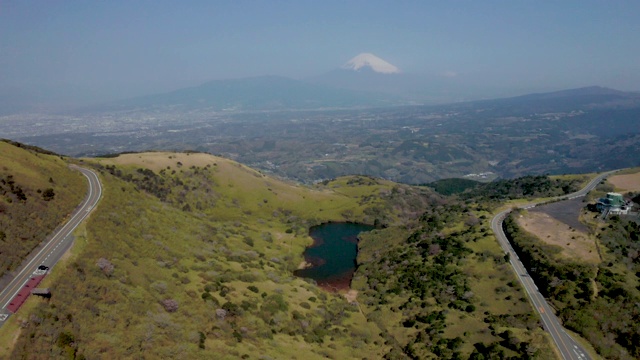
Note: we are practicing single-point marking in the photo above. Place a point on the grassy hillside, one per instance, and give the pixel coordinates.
(37, 192)
(191, 255)
(196, 260)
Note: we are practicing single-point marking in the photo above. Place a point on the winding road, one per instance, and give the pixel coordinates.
(49, 253)
(567, 346)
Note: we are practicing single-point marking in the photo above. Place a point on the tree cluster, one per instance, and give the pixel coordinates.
(529, 186)
(429, 266)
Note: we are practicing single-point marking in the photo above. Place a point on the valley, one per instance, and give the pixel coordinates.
(572, 131)
(183, 234)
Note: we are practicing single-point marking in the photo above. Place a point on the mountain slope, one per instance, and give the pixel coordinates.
(591, 97)
(190, 255)
(218, 240)
(406, 88)
(257, 93)
(37, 191)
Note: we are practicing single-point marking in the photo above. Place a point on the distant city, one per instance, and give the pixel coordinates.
(573, 131)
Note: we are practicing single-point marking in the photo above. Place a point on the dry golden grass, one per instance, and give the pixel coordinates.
(157, 161)
(230, 173)
(233, 179)
(626, 182)
(575, 244)
(10, 337)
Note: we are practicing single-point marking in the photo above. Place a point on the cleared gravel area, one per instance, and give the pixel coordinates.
(567, 212)
(575, 244)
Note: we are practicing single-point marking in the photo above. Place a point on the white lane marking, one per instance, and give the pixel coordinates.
(3, 317)
(79, 216)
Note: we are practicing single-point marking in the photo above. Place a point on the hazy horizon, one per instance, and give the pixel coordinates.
(81, 53)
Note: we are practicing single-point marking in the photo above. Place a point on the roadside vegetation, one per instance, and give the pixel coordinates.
(530, 186)
(37, 192)
(443, 288)
(597, 300)
(446, 291)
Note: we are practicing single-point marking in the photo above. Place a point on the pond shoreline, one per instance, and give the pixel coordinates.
(331, 259)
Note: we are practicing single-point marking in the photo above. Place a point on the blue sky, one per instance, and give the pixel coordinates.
(86, 51)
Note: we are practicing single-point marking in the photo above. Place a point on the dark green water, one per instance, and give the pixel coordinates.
(333, 254)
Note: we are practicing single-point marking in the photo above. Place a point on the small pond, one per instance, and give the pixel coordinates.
(332, 257)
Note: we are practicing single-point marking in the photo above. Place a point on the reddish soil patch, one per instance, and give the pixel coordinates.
(337, 283)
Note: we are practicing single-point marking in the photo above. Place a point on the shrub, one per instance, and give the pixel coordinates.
(106, 266)
(65, 339)
(231, 308)
(170, 305)
(48, 194)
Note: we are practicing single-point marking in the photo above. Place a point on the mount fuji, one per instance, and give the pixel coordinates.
(364, 81)
(367, 72)
(372, 62)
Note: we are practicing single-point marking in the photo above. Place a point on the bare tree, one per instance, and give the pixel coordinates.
(106, 266)
(170, 305)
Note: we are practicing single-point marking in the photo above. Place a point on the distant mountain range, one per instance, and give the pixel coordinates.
(257, 93)
(280, 93)
(363, 82)
(592, 97)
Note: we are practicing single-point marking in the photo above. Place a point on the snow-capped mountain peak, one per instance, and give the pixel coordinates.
(367, 60)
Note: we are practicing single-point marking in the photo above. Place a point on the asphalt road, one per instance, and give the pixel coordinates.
(55, 247)
(567, 346)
